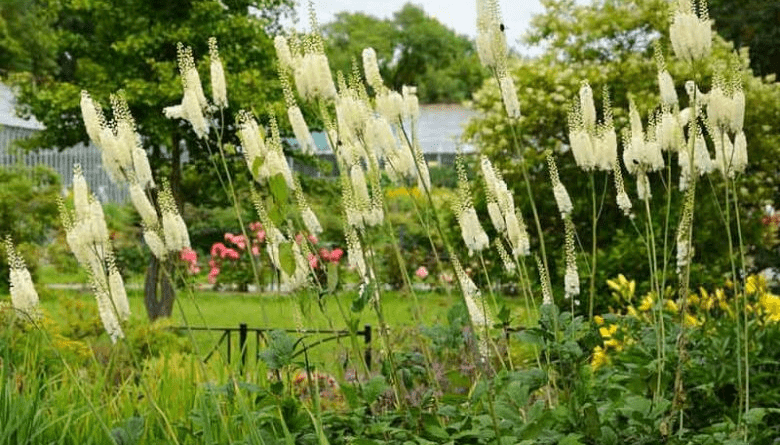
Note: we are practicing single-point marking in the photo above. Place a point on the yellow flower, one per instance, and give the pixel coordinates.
(771, 304)
(599, 357)
(671, 306)
(647, 303)
(755, 284)
(632, 312)
(598, 319)
(691, 321)
(622, 287)
(612, 343)
(607, 332)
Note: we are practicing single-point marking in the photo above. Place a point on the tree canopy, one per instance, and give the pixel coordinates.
(611, 44)
(753, 24)
(105, 46)
(412, 49)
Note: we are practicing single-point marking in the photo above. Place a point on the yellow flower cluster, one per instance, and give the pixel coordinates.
(612, 337)
(403, 192)
(702, 306)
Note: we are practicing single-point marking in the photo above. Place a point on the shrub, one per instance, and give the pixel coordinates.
(28, 211)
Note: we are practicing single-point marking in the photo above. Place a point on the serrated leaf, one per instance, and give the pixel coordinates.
(287, 258)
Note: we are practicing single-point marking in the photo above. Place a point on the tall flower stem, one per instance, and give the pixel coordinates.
(531, 200)
(657, 306)
(744, 307)
(416, 312)
(376, 303)
(594, 246)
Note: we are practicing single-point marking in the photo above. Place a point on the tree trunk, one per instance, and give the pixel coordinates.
(159, 299)
(162, 306)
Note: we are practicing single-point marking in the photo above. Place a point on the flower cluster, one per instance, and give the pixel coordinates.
(691, 33)
(122, 153)
(87, 237)
(228, 255)
(24, 298)
(501, 209)
(594, 145)
(190, 257)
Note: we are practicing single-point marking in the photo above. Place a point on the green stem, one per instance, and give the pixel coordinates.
(744, 307)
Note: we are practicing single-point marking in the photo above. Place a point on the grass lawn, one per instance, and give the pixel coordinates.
(229, 309)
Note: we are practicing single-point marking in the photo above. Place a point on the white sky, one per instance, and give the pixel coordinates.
(455, 14)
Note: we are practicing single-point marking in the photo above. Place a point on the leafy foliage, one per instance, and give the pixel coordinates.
(412, 49)
(611, 45)
(28, 210)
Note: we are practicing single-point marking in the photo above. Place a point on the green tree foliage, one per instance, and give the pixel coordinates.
(104, 46)
(611, 44)
(412, 48)
(26, 38)
(753, 24)
(28, 210)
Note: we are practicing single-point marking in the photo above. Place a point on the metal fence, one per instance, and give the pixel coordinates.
(321, 336)
(62, 162)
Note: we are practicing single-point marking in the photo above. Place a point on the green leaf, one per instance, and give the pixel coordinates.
(333, 277)
(374, 388)
(287, 258)
(256, 165)
(591, 415)
(433, 428)
(278, 187)
(571, 439)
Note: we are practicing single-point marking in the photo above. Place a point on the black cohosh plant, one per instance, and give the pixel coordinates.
(550, 397)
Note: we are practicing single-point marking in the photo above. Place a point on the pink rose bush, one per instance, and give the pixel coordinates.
(190, 257)
(230, 261)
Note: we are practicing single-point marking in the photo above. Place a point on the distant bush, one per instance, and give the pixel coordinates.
(28, 210)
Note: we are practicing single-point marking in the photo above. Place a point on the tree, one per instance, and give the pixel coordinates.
(753, 24)
(412, 49)
(106, 45)
(26, 38)
(611, 44)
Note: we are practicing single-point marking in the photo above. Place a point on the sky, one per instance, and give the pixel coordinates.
(455, 14)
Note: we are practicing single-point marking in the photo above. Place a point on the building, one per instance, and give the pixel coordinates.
(14, 128)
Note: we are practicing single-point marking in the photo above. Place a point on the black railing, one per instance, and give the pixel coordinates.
(243, 335)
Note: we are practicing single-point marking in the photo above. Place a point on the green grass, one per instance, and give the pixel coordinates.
(273, 311)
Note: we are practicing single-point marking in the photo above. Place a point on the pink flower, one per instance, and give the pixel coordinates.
(336, 254)
(313, 239)
(231, 254)
(255, 250)
(421, 272)
(194, 269)
(447, 278)
(313, 261)
(238, 240)
(217, 249)
(212, 276)
(188, 255)
(298, 238)
(324, 254)
(255, 226)
(228, 236)
(261, 235)
(213, 264)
